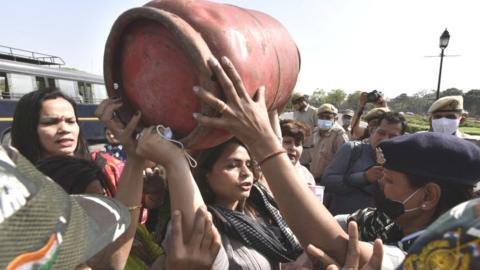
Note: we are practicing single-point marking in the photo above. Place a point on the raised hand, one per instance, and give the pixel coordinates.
(152, 146)
(198, 252)
(125, 134)
(374, 174)
(381, 102)
(246, 118)
(353, 253)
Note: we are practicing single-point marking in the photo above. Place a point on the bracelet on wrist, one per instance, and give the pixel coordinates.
(269, 156)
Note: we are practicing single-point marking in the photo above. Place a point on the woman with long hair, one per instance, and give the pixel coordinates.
(45, 124)
(419, 169)
(254, 235)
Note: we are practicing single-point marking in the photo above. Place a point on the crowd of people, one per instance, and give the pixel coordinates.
(391, 200)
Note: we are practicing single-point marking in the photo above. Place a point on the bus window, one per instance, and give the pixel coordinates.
(85, 90)
(99, 93)
(41, 82)
(81, 91)
(4, 93)
(51, 83)
(88, 92)
(68, 88)
(19, 84)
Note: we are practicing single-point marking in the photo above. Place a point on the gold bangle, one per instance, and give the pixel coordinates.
(276, 153)
(135, 207)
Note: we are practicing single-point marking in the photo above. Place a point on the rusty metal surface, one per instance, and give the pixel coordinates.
(157, 53)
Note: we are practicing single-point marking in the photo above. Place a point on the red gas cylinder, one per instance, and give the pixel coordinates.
(155, 55)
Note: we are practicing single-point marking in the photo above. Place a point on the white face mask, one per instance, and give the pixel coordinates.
(445, 125)
(324, 124)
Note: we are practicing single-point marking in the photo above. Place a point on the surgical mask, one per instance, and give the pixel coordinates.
(324, 124)
(445, 125)
(393, 209)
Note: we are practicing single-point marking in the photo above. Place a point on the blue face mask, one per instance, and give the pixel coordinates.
(324, 124)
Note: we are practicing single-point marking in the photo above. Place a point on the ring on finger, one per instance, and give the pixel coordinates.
(223, 108)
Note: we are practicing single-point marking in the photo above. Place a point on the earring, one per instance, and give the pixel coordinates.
(424, 205)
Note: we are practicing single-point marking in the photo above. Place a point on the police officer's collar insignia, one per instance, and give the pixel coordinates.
(380, 157)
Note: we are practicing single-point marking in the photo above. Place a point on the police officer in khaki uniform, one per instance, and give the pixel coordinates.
(446, 115)
(347, 116)
(328, 136)
(307, 114)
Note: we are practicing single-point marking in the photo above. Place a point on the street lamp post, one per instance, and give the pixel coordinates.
(444, 38)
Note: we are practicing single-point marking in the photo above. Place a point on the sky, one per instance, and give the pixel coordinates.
(344, 44)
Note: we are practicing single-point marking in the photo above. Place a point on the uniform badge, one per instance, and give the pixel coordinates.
(452, 105)
(447, 253)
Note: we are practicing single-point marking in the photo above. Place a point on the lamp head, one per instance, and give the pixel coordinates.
(444, 38)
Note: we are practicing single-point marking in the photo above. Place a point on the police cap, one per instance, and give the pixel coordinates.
(436, 157)
(327, 108)
(447, 104)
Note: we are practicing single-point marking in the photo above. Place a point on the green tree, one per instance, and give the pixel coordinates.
(336, 97)
(421, 101)
(352, 100)
(417, 103)
(401, 103)
(471, 102)
(451, 92)
(317, 98)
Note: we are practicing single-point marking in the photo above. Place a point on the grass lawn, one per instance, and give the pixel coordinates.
(471, 130)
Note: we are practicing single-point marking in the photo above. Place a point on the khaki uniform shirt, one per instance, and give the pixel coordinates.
(309, 117)
(325, 146)
(348, 130)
